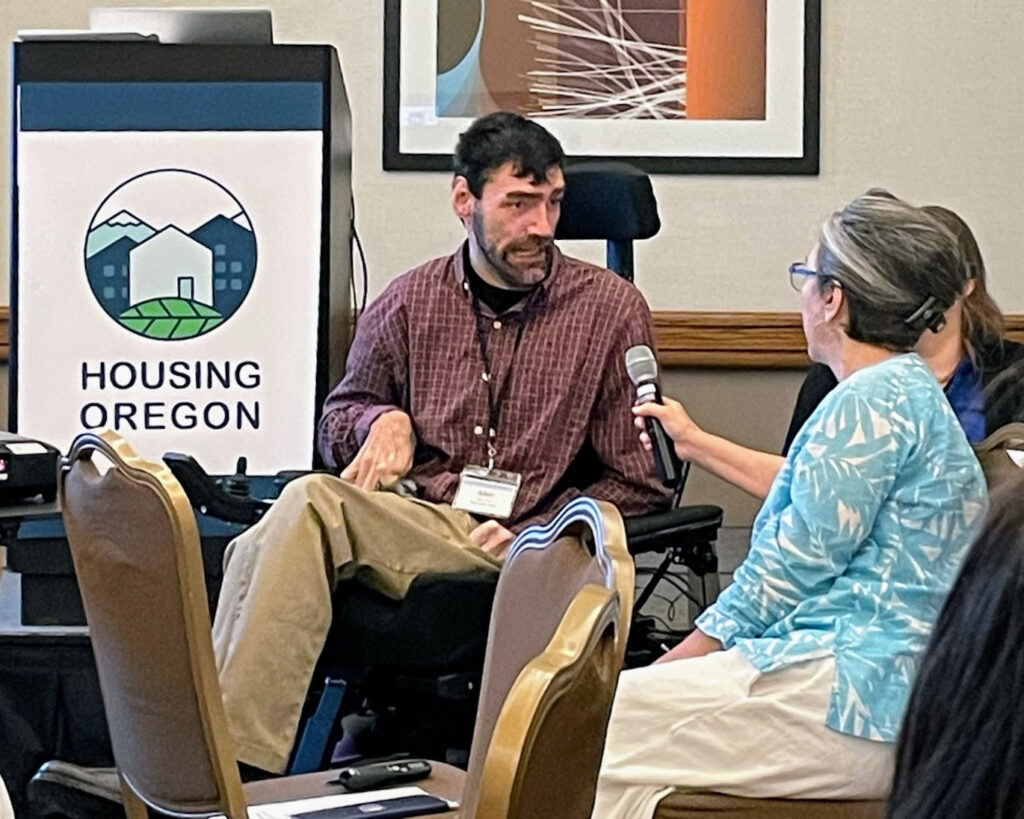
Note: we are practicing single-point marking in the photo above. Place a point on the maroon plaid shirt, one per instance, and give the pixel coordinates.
(417, 349)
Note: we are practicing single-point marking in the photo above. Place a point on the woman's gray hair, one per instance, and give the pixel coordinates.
(900, 268)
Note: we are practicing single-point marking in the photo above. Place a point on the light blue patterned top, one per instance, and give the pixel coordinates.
(858, 542)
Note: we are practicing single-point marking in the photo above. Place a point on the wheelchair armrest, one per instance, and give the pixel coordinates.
(660, 531)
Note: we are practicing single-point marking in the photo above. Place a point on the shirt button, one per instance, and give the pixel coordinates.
(497, 325)
(485, 376)
(478, 430)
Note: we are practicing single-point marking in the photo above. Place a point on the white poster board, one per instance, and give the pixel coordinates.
(168, 280)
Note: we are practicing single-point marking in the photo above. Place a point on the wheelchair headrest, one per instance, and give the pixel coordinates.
(612, 201)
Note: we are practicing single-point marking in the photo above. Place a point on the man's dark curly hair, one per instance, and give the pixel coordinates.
(502, 137)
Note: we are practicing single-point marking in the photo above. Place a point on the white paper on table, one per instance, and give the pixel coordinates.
(286, 810)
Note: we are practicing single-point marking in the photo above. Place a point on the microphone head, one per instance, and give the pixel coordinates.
(641, 365)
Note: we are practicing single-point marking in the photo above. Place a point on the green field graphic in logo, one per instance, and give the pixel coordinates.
(170, 318)
(170, 254)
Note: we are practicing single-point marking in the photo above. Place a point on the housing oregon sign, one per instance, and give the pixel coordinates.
(168, 279)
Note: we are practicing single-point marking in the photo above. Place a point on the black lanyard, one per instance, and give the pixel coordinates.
(495, 398)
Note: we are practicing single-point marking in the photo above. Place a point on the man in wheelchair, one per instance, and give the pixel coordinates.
(475, 386)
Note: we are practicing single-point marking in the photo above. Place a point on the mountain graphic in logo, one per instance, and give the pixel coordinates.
(170, 254)
(117, 227)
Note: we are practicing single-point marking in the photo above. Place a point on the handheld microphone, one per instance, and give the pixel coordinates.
(642, 368)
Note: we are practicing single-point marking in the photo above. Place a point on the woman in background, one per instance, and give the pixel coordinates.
(795, 681)
(961, 750)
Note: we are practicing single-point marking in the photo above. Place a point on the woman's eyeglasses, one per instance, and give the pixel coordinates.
(798, 273)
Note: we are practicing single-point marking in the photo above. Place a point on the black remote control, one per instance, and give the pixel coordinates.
(382, 774)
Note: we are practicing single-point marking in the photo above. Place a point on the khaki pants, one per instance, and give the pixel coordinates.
(274, 609)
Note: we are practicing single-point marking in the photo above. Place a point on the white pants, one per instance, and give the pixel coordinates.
(6, 811)
(716, 723)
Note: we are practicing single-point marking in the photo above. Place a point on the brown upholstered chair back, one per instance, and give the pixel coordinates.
(135, 547)
(546, 747)
(543, 574)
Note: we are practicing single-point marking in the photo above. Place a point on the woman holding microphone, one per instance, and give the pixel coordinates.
(794, 682)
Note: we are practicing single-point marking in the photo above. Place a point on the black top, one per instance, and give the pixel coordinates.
(1002, 381)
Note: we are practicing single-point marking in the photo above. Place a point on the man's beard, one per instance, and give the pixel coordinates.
(510, 274)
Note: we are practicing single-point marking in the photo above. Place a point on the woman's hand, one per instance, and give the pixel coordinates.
(678, 424)
(751, 470)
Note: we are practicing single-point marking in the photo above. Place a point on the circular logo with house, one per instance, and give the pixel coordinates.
(170, 254)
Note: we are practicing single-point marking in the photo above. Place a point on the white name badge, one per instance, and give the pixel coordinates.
(488, 492)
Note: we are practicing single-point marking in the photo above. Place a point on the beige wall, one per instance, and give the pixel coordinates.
(749, 406)
(922, 96)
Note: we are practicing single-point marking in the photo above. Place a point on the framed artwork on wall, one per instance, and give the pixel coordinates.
(672, 86)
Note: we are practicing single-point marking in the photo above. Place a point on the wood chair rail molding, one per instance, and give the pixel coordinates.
(744, 340)
(699, 339)
(692, 339)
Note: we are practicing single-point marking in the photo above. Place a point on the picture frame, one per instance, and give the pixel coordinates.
(694, 87)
